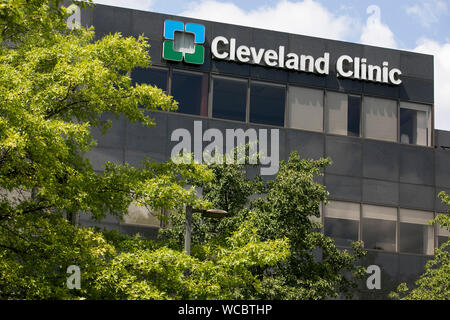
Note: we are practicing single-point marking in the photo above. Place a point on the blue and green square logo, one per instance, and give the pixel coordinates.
(184, 42)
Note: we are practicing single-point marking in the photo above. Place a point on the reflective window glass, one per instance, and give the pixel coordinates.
(379, 227)
(152, 76)
(380, 119)
(341, 222)
(416, 236)
(267, 104)
(415, 124)
(229, 99)
(343, 114)
(305, 109)
(191, 91)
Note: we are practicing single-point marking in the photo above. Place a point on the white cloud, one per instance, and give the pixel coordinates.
(428, 12)
(375, 32)
(441, 54)
(131, 4)
(307, 17)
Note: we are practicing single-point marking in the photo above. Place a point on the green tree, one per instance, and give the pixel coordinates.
(434, 283)
(283, 208)
(55, 84)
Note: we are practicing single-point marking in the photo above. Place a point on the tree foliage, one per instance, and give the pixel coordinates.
(55, 84)
(434, 283)
(283, 208)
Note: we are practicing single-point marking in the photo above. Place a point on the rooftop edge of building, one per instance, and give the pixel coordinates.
(442, 138)
(167, 15)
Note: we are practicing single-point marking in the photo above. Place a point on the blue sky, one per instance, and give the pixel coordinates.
(421, 26)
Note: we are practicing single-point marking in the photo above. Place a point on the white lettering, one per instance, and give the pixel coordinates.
(393, 76)
(214, 49)
(256, 57)
(323, 64)
(346, 66)
(340, 66)
(270, 58)
(243, 54)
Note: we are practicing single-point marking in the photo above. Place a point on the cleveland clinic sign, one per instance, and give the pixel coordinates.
(346, 66)
(185, 42)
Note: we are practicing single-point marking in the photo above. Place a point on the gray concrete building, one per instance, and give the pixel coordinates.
(370, 109)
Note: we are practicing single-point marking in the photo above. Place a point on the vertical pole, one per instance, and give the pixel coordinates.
(187, 235)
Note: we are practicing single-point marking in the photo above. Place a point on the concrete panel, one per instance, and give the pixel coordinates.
(98, 157)
(417, 197)
(343, 188)
(346, 154)
(149, 139)
(310, 145)
(416, 165)
(135, 158)
(410, 268)
(113, 137)
(380, 160)
(380, 192)
(417, 90)
(381, 89)
(442, 138)
(103, 19)
(417, 65)
(149, 24)
(442, 172)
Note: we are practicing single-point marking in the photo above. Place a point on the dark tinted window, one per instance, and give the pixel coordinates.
(229, 99)
(343, 231)
(152, 76)
(267, 104)
(378, 234)
(413, 238)
(408, 125)
(353, 116)
(190, 90)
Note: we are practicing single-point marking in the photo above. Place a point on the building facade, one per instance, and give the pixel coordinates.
(370, 109)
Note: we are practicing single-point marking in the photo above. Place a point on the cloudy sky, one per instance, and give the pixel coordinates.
(414, 25)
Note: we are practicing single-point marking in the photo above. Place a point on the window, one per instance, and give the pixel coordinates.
(267, 103)
(229, 98)
(379, 227)
(341, 222)
(191, 91)
(343, 114)
(380, 119)
(415, 124)
(153, 76)
(416, 236)
(305, 109)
